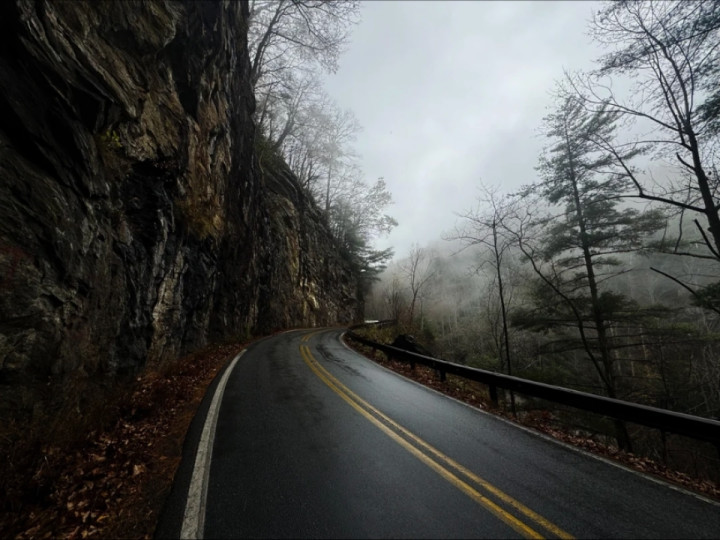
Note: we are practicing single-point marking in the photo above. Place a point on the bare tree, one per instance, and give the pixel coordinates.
(283, 108)
(317, 145)
(486, 227)
(394, 298)
(360, 209)
(671, 50)
(339, 129)
(291, 42)
(285, 35)
(418, 270)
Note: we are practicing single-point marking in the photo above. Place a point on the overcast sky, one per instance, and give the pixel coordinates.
(450, 94)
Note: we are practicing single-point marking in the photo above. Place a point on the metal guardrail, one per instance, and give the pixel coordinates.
(683, 424)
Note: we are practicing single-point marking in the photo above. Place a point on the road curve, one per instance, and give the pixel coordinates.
(311, 440)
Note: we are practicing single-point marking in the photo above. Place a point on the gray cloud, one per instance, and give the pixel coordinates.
(453, 93)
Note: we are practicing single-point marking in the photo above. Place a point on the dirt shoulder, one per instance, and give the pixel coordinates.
(110, 482)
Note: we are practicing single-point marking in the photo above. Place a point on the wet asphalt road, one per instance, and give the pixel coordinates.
(315, 441)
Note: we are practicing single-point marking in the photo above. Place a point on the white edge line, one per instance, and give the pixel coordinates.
(194, 517)
(548, 438)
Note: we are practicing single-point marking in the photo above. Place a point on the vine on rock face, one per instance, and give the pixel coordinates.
(110, 140)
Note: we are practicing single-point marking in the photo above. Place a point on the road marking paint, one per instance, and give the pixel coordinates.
(455, 465)
(193, 523)
(547, 438)
(366, 409)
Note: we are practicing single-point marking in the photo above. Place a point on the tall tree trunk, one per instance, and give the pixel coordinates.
(503, 312)
(621, 434)
(711, 209)
(327, 192)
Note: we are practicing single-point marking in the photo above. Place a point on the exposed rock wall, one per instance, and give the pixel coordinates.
(135, 223)
(313, 284)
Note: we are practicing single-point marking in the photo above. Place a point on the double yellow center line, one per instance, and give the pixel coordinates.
(446, 467)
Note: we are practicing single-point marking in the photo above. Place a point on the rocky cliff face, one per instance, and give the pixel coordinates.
(136, 222)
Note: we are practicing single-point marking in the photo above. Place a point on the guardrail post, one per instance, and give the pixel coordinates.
(493, 395)
(663, 438)
(440, 372)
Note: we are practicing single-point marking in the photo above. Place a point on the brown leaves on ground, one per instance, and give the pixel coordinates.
(112, 483)
(639, 463)
(476, 394)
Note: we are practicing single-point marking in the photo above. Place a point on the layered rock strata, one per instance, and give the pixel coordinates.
(136, 222)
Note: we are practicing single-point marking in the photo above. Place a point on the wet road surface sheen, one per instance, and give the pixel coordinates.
(316, 441)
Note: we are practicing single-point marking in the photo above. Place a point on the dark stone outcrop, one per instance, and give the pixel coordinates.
(408, 342)
(136, 223)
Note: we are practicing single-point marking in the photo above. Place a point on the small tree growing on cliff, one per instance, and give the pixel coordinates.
(289, 42)
(284, 34)
(357, 218)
